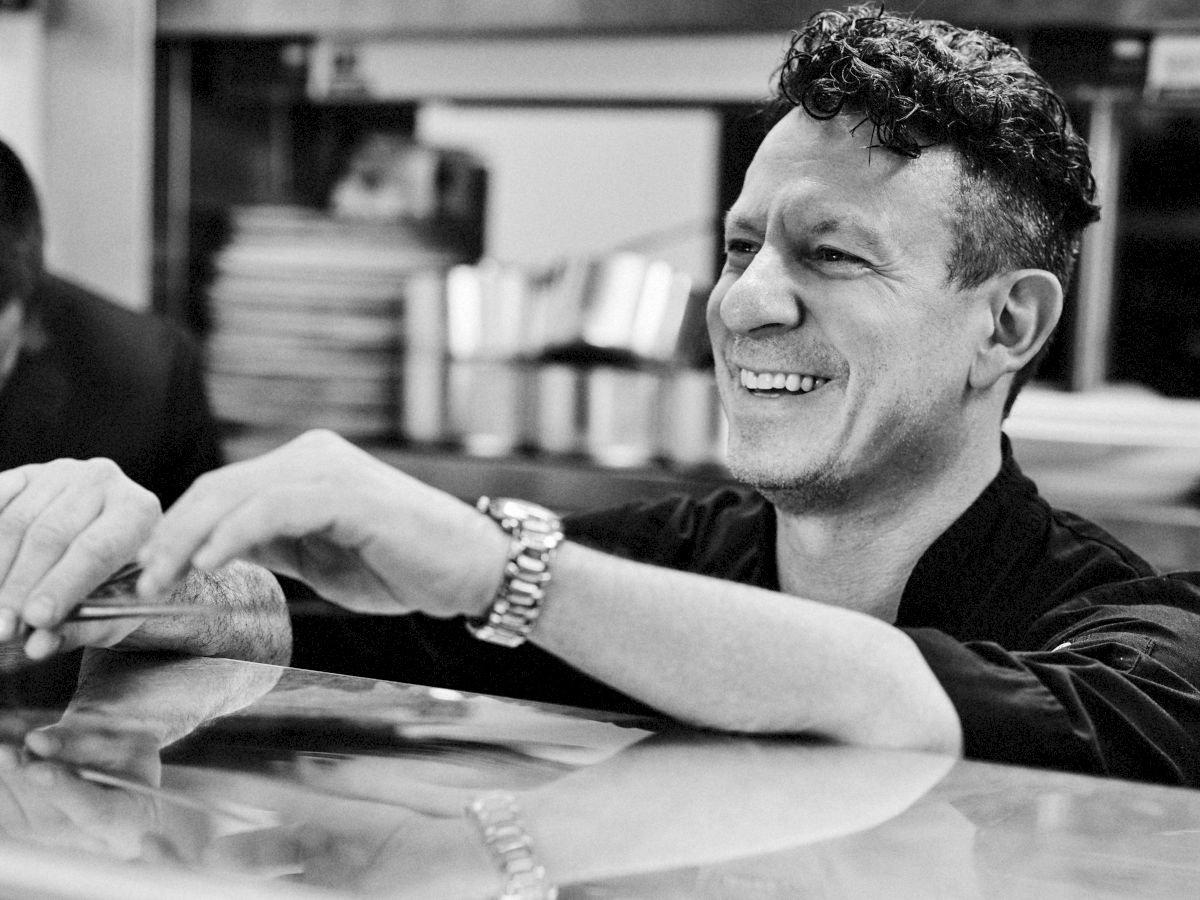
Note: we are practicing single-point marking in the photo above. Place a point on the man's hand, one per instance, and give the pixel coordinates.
(47, 803)
(65, 526)
(119, 746)
(358, 531)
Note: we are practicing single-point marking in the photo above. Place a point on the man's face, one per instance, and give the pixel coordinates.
(842, 351)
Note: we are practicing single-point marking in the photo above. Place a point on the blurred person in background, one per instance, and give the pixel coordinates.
(82, 377)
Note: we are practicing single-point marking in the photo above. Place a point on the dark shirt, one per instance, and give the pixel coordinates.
(103, 380)
(1058, 646)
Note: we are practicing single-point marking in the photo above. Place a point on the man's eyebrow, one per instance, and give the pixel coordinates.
(737, 221)
(870, 238)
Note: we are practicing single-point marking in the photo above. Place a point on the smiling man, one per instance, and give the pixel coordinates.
(895, 265)
(864, 385)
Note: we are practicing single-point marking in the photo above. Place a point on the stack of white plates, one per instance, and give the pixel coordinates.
(307, 316)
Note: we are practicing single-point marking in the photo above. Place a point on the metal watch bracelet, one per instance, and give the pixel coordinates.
(536, 533)
(498, 819)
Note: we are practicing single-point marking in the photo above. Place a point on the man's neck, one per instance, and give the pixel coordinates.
(861, 558)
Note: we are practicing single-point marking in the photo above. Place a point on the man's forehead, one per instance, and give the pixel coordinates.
(830, 172)
(851, 133)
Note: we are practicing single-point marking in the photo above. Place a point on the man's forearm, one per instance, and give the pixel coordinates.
(729, 656)
(249, 620)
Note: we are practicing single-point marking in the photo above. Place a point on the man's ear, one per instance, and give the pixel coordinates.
(1025, 306)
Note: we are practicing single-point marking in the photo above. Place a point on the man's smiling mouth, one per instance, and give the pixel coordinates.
(779, 382)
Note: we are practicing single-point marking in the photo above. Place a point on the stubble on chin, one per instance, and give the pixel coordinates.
(810, 492)
(790, 485)
(832, 482)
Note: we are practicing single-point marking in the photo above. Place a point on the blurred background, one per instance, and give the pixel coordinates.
(476, 235)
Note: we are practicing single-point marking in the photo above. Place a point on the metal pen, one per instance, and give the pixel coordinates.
(123, 583)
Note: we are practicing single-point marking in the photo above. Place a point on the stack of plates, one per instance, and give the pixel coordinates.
(307, 313)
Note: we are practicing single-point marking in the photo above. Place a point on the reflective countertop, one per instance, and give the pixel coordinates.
(212, 778)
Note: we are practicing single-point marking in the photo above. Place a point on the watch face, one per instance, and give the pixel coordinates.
(506, 507)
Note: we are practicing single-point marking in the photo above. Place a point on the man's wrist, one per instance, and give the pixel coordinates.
(535, 534)
(503, 832)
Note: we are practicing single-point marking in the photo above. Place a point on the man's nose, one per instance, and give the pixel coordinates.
(762, 300)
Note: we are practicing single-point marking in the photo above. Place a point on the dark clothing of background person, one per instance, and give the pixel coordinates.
(97, 379)
(1059, 647)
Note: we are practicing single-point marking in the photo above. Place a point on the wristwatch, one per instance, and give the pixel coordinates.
(536, 533)
(499, 822)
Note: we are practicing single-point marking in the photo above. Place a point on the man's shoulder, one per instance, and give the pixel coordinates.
(1070, 530)
(1110, 572)
(1010, 559)
(99, 333)
(1053, 542)
(1079, 570)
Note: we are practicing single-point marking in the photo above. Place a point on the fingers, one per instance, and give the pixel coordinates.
(99, 743)
(64, 527)
(66, 561)
(243, 507)
(64, 550)
(27, 500)
(167, 555)
(12, 482)
(42, 644)
(317, 509)
(226, 524)
(275, 514)
(63, 557)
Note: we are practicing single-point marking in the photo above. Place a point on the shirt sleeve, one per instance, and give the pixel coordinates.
(1107, 684)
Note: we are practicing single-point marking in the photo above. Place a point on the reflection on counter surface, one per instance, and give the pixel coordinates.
(290, 783)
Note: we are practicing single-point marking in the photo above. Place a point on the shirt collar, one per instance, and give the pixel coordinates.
(983, 549)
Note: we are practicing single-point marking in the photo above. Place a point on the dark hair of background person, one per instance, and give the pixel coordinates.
(20, 230)
(1027, 190)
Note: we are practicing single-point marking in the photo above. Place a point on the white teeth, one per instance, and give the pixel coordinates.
(792, 382)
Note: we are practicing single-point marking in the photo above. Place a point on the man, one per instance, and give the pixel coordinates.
(895, 264)
(82, 377)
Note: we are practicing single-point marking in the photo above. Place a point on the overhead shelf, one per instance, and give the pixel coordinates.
(378, 18)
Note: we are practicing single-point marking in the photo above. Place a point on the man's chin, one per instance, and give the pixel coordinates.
(791, 490)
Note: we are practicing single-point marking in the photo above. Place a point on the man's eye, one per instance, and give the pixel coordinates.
(832, 255)
(736, 247)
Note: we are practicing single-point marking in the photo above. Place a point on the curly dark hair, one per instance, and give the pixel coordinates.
(1027, 190)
